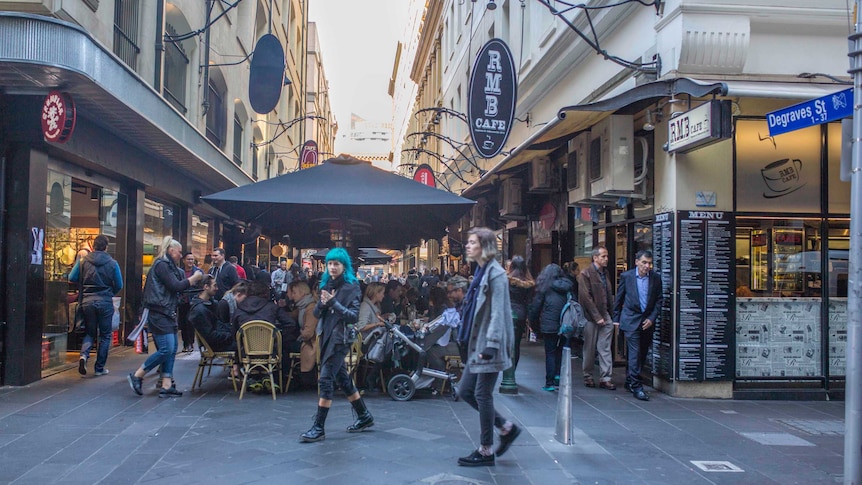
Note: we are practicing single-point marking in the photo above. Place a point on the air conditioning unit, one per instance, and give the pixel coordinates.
(611, 157)
(511, 198)
(477, 215)
(576, 175)
(543, 179)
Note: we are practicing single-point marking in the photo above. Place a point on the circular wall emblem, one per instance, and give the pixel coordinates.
(424, 175)
(58, 117)
(492, 98)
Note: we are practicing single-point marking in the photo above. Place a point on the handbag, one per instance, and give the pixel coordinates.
(381, 349)
(136, 332)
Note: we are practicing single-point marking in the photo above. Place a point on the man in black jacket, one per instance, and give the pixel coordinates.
(224, 272)
(202, 315)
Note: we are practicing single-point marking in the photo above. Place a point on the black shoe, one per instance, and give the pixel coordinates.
(628, 387)
(316, 433)
(136, 383)
(170, 392)
(364, 419)
(82, 366)
(641, 395)
(507, 439)
(476, 459)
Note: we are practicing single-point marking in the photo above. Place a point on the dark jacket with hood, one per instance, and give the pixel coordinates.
(161, 291)
(260, 308)
(216, 333)
(548, 305)
(99, 275)
(338, 317)
(520, 293)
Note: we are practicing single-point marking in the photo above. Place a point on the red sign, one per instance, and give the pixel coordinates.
(548, 216)
(58, 117)
(425, 175)
(308, 156)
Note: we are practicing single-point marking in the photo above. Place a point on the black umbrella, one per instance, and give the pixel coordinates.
(314, 205)
(369, 256)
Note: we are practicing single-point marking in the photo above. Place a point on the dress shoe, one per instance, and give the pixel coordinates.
(608, 385)
(135, 383)
(476, 459)
(589, 382)
(641, 395)
(507, 439)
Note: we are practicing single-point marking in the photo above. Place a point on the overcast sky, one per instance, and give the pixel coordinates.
(358, 39)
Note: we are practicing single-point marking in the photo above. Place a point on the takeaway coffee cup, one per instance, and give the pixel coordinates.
(782, 175)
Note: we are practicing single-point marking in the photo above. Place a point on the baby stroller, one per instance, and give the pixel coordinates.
(402, 387)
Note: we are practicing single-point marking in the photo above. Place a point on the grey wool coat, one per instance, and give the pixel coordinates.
(492, 322)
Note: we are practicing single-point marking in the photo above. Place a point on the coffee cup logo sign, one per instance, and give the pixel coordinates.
(58, 117)
(782, 177)
(492, 98)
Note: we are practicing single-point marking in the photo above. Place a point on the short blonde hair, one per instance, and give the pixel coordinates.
(487, 241)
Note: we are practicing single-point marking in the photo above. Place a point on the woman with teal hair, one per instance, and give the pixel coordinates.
(338, 312)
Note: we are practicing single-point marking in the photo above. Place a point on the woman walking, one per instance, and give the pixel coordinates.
(485, 337)
(338, 311)
(161, 295)
(521, 287)
(552, 289)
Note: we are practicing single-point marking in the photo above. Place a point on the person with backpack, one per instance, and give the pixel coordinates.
(552, 292)
(636, 308)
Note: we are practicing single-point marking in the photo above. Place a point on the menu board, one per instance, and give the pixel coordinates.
(706, 311)
(662, 251)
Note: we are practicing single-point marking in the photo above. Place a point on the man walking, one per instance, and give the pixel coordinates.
(636, 308)
(100, 279)
(594, 295)
(224, 273)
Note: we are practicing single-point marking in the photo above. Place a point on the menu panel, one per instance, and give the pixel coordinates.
(663, 263)
(706, 312)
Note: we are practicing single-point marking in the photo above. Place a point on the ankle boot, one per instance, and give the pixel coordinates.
(316, 433)
(364, 418)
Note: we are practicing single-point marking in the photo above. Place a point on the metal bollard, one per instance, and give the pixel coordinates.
(564, 427)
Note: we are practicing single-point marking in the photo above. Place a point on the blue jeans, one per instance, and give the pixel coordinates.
(165, 355)
(98, 315)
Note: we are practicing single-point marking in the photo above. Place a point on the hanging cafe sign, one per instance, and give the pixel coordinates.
(58, 117)
(492, 98)
(425, 175)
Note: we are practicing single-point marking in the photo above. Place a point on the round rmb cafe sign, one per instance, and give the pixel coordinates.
(58, 117)
(425, 175)
(492, 98)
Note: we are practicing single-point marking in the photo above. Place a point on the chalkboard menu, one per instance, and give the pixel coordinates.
(706, 312)
(663, 259)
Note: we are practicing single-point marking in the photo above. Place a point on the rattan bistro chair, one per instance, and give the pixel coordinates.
(209, 358)
(259, 347)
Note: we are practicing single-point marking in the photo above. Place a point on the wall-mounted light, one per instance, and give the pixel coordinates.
(648, 122)
(492, 5)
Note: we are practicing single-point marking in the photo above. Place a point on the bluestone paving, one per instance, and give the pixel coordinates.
(73, 430)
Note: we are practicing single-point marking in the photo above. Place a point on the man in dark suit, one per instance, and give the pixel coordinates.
(636, 308)
(224, 273)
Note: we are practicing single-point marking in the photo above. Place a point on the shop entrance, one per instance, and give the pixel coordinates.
(77, 212)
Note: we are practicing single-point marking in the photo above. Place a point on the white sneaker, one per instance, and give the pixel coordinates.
(102, 372)
(82, 366)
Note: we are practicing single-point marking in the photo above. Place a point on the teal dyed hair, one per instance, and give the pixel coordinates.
(340, 255)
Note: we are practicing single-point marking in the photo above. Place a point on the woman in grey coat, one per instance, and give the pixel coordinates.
(486, 336)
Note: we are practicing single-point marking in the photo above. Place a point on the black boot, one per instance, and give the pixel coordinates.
(316, 433)
(364, 418)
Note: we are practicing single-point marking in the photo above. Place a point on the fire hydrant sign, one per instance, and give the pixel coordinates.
(492, 98)
(812, 112)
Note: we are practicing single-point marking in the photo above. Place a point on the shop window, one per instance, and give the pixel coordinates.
(202, 240)
(126, 32)
(778, 297)
(837, 267)
(176, 71)
(159, 221)
(777, 174)
(839, 191)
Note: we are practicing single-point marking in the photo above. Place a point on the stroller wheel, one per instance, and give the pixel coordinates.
(401, 387)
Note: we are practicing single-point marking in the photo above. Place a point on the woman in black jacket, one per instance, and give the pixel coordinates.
(161, 296)
(552, 289)
(338, 311)
(521, 287)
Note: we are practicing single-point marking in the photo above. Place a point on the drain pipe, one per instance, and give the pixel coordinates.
(564, 428)
(3, 341)
(853, 379)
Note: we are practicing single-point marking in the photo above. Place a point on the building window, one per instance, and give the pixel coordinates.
(237, 140)
(254, 162)
(217, 111)
(126, 31)
(176, 70)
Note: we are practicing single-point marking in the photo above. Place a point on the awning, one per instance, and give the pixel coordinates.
(38, 54)
(571, 120)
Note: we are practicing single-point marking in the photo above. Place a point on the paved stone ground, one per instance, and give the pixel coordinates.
(73, 430)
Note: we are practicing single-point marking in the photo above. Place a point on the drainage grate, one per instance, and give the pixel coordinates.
(817, 427)
(717, 466)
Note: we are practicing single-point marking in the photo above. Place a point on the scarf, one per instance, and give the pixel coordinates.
(468, 307)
